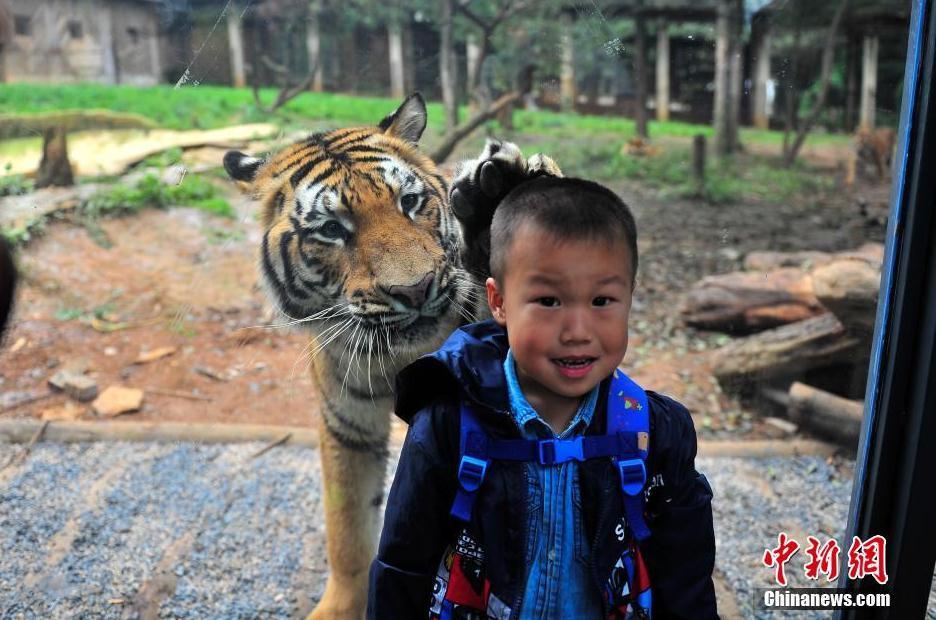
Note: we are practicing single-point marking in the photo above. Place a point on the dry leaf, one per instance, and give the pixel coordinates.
(154, 355)
(19, 344)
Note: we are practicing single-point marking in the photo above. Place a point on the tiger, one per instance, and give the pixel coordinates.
(367, 245)
(871, 146)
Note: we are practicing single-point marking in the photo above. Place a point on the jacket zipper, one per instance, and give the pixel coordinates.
(517, 607)
(601, 527)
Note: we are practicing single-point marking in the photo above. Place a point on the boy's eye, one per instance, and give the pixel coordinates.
(602, 301)
(548, 302)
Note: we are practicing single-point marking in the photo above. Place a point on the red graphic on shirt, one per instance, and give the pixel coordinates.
(778, 556)
(822, 559)
(868, 558)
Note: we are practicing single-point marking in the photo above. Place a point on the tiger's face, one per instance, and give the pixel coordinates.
(358, 237)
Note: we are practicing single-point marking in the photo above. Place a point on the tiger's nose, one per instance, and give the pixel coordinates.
(413, 295)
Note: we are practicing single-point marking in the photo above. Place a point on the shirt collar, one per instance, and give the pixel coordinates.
(528, 419)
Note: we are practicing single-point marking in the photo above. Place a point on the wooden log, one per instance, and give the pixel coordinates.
(785, 351)
(748, 302)
(849, 289)
(825, 413)
(21, 430)
(768, 261)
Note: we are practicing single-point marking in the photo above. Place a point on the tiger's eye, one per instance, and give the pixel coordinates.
(408, 202)
(333, 230)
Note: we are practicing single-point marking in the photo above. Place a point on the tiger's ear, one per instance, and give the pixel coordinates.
(241, 167)
(408, 121)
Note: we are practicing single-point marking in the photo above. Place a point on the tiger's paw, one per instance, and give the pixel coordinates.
(481, 184)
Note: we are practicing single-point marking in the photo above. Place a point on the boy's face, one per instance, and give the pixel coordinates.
(565, 305)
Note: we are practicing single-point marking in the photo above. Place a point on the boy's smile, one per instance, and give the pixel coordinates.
(565, 305)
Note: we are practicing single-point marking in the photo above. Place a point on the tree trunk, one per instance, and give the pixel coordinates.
(849, 289)
(54, 169)
(642, 80)
(236, 52)
(473, 71)
(314, 45)
(851, 83)
(828, 55)
(448, 66)
(568, 83)
(396, 60)
(761, 71)
(662, 85)
(869, 83)
(727, 72)
(106, 30)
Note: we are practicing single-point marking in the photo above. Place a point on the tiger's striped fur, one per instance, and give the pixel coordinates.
(360, 246)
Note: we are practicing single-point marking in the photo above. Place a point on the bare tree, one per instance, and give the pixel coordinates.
(454, 137)
(790, 151)
(280, 18)
(505, 9)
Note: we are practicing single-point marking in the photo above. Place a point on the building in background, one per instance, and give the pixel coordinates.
(61, 41)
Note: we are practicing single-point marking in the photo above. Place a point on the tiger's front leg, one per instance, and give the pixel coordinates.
(353, 435)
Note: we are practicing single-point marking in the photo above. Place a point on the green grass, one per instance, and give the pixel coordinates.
(149, 192)
(203, 107)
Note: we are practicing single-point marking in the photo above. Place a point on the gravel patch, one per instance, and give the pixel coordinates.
(108, 530)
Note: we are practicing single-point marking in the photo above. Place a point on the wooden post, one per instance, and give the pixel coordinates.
(869, 83)
(568, 80)
(699, 159)
(473, 87)
(851, 94)
(761, 69)
(662, 72)
(314, 44)
(396, 59)
(236, 46)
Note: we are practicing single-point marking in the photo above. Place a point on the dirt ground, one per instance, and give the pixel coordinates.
(185, 279)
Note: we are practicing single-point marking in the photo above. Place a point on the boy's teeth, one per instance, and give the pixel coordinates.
(574, 363)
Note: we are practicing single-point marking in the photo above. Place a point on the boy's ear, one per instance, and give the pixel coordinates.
(496, 301)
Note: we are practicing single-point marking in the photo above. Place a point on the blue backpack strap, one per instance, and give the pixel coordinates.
(627, 418)
(474, 461)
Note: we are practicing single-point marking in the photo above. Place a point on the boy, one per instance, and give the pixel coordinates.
(554, 534)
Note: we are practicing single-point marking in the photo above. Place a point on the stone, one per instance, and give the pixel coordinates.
(77, 385)
(117, 399)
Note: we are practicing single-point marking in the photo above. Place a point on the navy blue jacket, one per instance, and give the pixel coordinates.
(418, 528)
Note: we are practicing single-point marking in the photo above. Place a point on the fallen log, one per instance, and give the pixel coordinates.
(810, 259)
(789, 350)
(743, 303)
(783, 289)
(849, 289)
(825, 413)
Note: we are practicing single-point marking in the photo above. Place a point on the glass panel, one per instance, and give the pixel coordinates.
(753, 141)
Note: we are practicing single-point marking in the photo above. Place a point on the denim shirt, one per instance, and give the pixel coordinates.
(558, 583)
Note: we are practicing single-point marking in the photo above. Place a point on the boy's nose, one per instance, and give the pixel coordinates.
(574, 328)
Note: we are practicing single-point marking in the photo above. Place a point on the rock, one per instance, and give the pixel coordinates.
(80, 387)
(68, 411)
(116, 400)
(154, 355)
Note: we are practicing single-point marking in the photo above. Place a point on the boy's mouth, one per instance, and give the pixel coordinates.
(575, 366)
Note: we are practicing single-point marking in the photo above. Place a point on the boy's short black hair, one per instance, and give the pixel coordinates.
(567, 209)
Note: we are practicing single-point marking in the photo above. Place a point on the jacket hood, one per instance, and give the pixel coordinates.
(469, 363)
